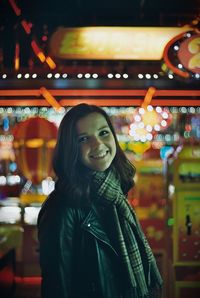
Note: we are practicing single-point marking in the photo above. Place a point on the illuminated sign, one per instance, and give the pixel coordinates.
(182, 55)
(120, 43)
(189, 53)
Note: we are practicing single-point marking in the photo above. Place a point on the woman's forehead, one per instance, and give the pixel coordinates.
(91, 122)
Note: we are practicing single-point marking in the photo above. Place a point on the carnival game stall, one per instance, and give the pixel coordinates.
(183, 172)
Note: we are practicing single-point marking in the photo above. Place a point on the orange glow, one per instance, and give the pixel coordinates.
(148, 97)
(16, 63)
(150, 118)
(34, 143)
(114, 92)
(17, 56)
(51, 144)
(134, 202)
(50, 62)
(131, 97)
(37, 51)
(50, 99)
(32, 155)
(31, 102)
(136, 43)
(41, 56)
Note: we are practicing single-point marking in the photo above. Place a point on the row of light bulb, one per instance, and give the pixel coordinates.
(95, 75)
(10, 179)
(112, 110)
(81, 75)
(158, 109)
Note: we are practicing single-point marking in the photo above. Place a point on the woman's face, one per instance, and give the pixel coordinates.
(97, 146)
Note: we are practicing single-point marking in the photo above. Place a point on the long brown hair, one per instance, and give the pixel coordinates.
(73, 176)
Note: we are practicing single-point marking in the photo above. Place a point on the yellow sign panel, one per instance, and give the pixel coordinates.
(120, 43)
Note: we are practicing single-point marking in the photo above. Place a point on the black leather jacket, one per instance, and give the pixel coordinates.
(77, 257)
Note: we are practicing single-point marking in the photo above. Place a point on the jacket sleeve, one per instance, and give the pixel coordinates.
(56, 233)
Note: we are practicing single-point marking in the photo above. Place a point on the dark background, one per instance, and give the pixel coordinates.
(103, 12)
(47, 15)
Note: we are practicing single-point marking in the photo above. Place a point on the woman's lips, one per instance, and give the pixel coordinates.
(99, 155)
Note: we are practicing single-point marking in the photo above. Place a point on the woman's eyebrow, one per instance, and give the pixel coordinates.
(82, 134)
(105, 126)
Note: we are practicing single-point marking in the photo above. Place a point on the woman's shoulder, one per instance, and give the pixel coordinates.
(58, 207)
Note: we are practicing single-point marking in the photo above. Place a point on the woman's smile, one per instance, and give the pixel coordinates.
(100, 155)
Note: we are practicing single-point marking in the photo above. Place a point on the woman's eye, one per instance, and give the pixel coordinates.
(82, 139)
(104, 133)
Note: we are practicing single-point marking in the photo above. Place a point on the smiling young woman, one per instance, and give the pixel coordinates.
(91, 243)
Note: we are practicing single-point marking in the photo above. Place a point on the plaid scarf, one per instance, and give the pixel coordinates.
(136, 255)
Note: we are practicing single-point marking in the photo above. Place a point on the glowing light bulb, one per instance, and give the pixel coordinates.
(141, 111)
(149, 108)
(165, 115)
(158, 109)
(163, 123)
(95, 75)
(148, 76)
(157, 127)
(57, 75)
(79, 75)
(118, 76)
(141, 125)
(110, 75)
(133, 126)
(125, 76)
(87, 75)
(149, 136)
(137, 118)
(149, 128)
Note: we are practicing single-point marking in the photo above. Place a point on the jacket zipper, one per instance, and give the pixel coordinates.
(90, 231)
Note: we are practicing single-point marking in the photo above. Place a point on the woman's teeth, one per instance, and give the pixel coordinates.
(101, 155)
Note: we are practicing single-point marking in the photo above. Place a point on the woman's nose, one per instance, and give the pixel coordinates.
(96, 141)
